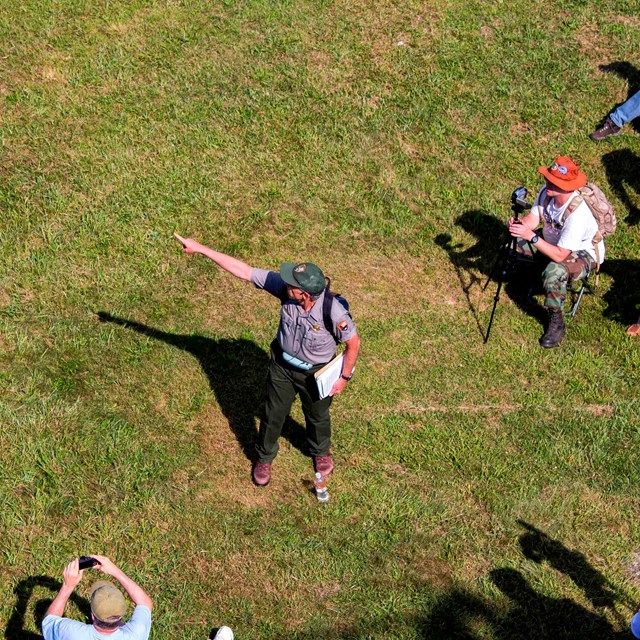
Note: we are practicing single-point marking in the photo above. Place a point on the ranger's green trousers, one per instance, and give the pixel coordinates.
(284, 382)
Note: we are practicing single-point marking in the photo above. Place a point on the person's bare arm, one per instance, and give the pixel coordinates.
(133, 589)
(352, 348)
(234, 266)
(71, 577)
(522, 229)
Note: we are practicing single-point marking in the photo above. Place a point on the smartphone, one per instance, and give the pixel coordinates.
(85, 562)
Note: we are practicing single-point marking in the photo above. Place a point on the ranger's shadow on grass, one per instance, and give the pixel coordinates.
(236, 370)
(623, 173)
(23, 593)
(623, 295)
(480, 265)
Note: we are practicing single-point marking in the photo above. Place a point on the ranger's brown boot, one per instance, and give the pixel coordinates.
(555, 331)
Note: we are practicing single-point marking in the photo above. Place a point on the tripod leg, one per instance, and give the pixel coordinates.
(496, 299)
(508, 265)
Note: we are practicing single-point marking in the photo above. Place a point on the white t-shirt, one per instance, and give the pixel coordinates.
(576, 234)
(138, 628)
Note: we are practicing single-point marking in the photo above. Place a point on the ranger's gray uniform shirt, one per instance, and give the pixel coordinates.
(302, 334)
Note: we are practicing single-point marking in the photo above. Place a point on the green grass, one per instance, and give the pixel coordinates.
(475, 484)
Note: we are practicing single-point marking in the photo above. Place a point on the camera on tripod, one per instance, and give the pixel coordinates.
(519, 199)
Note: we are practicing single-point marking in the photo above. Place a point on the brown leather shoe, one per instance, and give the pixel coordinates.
(323, 464)
(608, 128)
(261, 473)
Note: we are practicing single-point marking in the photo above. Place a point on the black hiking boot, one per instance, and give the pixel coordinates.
(555, 331)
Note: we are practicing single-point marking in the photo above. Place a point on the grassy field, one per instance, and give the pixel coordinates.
(481, 491)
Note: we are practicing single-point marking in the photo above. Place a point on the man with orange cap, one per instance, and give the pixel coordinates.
(566, 244)
(108, 607)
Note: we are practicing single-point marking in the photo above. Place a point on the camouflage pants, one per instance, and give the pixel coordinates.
(557, 275)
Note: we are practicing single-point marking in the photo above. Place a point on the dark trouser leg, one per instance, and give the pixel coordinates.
(281, 393)
(317, 418)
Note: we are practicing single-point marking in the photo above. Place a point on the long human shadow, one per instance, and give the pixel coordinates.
(529, 614)
(631, 74)
(623, 295)
(536, 545)
(533, 615)
(23, 593)
(236, 370)
(485, 258)
(510, 609)
(623, 173)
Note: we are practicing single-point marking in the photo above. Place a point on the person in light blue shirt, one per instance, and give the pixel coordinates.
(108, 607)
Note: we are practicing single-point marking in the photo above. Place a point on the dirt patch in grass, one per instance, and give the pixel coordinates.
(633, 21)
(499, 408)
(51, 75)
(594, 45)
(5, 298)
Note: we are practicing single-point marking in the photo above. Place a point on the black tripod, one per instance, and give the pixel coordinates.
(509, 256)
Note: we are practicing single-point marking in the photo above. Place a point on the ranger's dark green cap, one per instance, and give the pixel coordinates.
(305, 275)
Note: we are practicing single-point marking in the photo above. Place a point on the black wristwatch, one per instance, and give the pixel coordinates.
(535, 238)
(347, 378)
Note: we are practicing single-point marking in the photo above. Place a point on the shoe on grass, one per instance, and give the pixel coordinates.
(323, 464)
(262, 473)
(223, 633)
(606, 129)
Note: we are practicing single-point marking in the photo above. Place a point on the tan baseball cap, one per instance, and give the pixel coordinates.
(107, 602)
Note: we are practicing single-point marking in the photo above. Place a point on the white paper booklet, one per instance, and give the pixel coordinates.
(327, 376)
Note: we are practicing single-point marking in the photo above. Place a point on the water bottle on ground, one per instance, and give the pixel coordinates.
(320, 483)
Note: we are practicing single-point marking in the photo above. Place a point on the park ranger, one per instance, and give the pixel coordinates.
(302, 346)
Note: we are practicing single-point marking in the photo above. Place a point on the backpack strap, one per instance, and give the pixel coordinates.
(575, 202)
(327, 305)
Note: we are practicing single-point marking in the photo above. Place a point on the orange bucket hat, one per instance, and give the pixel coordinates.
(564, 173)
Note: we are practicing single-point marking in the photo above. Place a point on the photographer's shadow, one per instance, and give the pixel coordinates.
(522, 611)
(23, 592)
(236, 370)
(537, 546)
(481, 264)
(534, 615)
